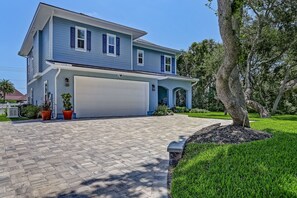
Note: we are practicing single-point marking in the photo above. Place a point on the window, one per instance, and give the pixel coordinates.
(111, 45)
(80, 38)
(140, 57)
(168, 64)
(45, 88)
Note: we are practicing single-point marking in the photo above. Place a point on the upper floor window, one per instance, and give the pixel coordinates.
(168, 64)
(111, 44)
(80, 38)
(140, 57)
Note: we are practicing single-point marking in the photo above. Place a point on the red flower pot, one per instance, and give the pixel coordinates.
(67, 115)
(46, 115)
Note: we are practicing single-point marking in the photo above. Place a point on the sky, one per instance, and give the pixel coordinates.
(171, 23)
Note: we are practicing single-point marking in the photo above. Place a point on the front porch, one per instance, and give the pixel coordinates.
(171, 93)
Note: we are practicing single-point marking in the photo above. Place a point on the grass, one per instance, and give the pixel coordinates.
(219, 115)
(3, 118)
(266, 168)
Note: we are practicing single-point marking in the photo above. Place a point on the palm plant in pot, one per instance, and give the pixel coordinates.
(67, 113)
(46, 110)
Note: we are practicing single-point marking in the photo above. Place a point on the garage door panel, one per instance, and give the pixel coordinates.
(96, 97)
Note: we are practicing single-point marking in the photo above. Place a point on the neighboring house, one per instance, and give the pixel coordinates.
(105, 66)
(15, 96)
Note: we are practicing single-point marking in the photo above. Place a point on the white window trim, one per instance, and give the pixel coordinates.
(31, 97)
(138, 52)
(76, 39)
(115, 45)
(44, 94)
(166, 56)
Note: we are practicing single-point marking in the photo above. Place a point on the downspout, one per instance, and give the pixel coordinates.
(195, 83)
(56, 97)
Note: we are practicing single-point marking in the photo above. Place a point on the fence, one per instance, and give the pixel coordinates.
(3, 107)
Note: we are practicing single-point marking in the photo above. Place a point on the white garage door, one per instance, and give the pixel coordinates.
(99, 97)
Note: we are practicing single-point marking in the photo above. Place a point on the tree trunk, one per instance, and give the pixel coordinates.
(281, 91)
(4, 96)
(285, 86)
(231, 96)
(259, 108)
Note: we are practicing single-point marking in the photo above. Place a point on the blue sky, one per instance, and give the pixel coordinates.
(172, 23)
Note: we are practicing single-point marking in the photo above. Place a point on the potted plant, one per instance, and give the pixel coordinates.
(67, 113)
(46, 110)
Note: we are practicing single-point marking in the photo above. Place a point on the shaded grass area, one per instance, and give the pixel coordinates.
(219, 115)
(265, 168)
(252, 116)
(3, 118)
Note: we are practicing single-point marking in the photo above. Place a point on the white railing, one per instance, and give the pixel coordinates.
(3, 107)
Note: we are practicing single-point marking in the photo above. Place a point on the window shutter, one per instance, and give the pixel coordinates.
(173, 65)
(104, 43)
(72, 37)
(89, 40)
(118, 41)
(162, 63)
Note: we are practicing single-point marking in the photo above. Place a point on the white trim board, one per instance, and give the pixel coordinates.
(41, 74)
(72, 68)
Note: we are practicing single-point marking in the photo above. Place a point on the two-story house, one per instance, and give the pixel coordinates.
(105, 66)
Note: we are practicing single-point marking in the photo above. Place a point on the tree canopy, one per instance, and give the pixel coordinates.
(6, 87)
(266, 32)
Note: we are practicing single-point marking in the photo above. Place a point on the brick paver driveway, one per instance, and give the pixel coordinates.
(120, 157)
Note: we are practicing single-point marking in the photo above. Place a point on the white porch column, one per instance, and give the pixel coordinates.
(170, 98)
(174, 97)
(189, 99)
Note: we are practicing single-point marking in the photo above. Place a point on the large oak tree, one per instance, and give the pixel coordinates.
(228, 85)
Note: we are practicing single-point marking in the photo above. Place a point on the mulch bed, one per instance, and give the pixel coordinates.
(222, 135)
(227, 135)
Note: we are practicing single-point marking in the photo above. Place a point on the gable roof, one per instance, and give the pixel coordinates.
(16, 95)
(45, 11)
(153, 46)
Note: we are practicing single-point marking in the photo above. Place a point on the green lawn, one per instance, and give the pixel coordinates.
(3, 118)
(266, 168)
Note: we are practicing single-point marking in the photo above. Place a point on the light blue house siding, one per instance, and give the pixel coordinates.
(62, 50)
(38, 88)
(35, 54)
(44, 47)
(29, 67)
(153, 95)
(152, 60)
(36, 60)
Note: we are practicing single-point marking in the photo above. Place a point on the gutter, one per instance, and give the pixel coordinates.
(56, 97)
(195, 83)
(118, 73)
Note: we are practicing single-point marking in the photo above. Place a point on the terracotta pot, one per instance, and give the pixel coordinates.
(46, 115)
(67, 114)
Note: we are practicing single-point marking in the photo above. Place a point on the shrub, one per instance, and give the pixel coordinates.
(46, 106)
(31, 111)
(178, 109)
(66, 101)
(195, 110)
(162, 110)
